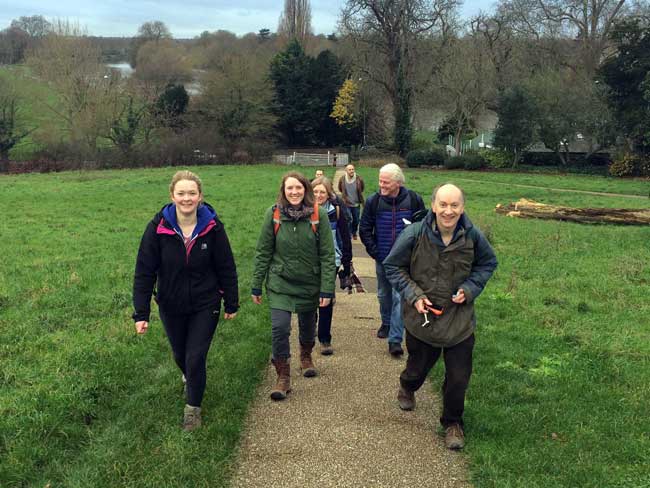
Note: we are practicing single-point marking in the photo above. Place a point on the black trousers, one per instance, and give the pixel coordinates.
(458, 370)
(190, 337)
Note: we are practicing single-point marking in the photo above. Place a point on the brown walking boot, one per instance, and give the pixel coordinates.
(326, 349)
(454, 437)
(406, 399)
(306, 364)
(283, 383)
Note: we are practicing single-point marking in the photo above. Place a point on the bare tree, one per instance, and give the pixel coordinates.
(153, 31)
(587, 22)
(295, 20)
(386, 35)
(35, 26)
(70, 62)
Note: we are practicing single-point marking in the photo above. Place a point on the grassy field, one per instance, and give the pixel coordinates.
(560, 390)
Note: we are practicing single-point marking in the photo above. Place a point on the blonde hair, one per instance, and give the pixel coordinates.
(185, 175)
(323, 180)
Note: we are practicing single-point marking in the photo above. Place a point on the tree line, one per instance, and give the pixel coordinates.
(553, 71)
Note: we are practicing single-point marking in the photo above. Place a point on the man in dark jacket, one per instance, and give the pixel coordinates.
(385, 214)
(440, 266)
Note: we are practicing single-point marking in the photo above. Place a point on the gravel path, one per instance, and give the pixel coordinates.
(344, 428)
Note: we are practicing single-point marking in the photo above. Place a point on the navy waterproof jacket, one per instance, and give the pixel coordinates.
(384, 218)
(188, 278)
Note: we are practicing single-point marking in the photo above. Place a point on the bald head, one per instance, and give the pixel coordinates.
(448, 203)
(448, 190)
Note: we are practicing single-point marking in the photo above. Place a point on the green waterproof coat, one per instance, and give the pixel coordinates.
(420, 265)
(297, 264)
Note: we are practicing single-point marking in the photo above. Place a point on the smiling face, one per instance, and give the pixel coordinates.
(187, 197)
(388, 187)
(448, 207)
(320, 193)
(294, 191)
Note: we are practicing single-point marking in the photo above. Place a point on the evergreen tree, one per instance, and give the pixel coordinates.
(515, 130)
(304, 93)
(627, 77)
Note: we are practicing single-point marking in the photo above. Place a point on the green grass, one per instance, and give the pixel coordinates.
(635, 186)
(559, 392)
(34, 97)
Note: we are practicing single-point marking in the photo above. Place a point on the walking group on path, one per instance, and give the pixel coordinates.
(430, 266)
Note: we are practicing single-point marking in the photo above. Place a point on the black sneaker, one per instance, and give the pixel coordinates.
(395, 349)
(382, 332)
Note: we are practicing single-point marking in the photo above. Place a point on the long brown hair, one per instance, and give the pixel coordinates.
(308, 199)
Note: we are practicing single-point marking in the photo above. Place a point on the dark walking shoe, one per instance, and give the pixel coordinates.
(395, 349)
(454, 437)
(406, 399)
(382, 332)
(191, 418)
(326, 349)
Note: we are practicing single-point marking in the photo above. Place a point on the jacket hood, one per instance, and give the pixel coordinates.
(204, 215)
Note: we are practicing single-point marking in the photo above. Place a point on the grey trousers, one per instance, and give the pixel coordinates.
(281, 330)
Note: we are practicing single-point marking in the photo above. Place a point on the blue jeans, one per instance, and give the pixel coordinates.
(354, 226)
(390, 305)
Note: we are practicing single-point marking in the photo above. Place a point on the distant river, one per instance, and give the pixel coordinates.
(124, 68)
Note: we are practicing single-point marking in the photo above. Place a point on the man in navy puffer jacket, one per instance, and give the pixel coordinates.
(385, 215)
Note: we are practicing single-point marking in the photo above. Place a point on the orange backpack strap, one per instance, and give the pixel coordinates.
(276, 220)
(314, 219)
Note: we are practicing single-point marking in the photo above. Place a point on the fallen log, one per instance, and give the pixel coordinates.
(530, 209)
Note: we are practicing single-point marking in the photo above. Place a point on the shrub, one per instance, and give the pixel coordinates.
(626, 165)
(473, 161)
(434, 156)
(644, 166)
(497, 158)
(455, 162)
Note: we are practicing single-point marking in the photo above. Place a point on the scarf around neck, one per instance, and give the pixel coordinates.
(297, 213)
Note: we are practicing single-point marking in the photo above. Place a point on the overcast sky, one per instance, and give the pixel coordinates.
(185, 19)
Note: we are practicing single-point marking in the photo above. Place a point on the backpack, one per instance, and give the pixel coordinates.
(277, 221)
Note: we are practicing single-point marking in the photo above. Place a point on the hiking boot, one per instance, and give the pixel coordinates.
(191, 418)
(382, 332)
(326, 349)
(283, 383)
(454, 437)
(406, 399)
(306, 364)
(395, 349)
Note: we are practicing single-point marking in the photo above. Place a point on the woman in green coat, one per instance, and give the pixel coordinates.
(295, 259)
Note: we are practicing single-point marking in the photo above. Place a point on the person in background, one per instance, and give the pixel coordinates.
(440, 266)
(319, 173)
(186, 254)
(351, 187)
(295, 259)
(385, 215)
(327, 199)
